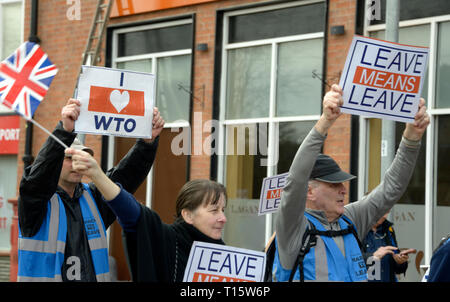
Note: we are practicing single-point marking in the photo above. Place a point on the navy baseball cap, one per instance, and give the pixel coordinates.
(327, 170)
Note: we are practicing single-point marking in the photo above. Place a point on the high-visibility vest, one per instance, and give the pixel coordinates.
(323, 260)
(40, 257)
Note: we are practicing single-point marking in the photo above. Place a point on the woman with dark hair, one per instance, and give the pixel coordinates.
(158, 252)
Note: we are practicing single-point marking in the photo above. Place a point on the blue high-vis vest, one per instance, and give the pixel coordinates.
(40, 257)
(324, 261)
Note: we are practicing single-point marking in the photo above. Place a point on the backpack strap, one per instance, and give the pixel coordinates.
(310, 240)
(352, 229)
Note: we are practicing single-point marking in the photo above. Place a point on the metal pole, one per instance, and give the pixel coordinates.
(388, 127)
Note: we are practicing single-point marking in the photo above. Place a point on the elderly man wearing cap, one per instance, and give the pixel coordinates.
(317, 235)
(63, 221)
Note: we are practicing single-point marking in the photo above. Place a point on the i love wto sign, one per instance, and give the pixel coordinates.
(115, 102)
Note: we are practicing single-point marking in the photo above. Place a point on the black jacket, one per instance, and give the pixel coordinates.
(158, 252)
(40, 181)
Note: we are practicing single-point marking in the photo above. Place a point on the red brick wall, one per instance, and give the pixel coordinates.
(64, 41)
(341, 12)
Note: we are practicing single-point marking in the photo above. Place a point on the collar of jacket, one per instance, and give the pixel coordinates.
(320, 215)
(194, 234)
(77, 193)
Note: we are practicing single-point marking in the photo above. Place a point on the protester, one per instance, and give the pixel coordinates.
(316, 182)
(381, 252)
(159, 252)
(440, 263)
(62, 221)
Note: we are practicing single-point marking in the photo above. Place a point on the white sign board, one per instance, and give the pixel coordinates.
(220, 263)
(383, 79)
(271, 190)
(115, 102)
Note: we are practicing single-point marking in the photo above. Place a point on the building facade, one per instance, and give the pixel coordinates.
(11, 35)
(240, 84)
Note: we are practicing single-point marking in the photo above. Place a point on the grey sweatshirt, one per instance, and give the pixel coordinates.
(291, 223)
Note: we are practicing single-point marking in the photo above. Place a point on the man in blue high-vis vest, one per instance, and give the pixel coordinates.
(63, 222)
(317, 235)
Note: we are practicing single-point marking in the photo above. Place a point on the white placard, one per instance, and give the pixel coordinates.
(271, 190)
(210, 262)
(115, 102)
(383, 79)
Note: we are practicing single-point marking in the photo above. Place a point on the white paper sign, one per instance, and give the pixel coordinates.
(220, 263)
(383, 79)
(271, 190)
(115, 102)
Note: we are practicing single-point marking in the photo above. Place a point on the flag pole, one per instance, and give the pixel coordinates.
(48, 132)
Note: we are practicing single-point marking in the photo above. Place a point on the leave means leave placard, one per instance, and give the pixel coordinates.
(383, 79)
(115, 102)
(210, 262)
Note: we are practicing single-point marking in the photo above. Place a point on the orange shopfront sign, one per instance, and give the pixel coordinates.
(9, 134)
(131, 7)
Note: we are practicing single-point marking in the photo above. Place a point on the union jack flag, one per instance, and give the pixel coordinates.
(25, 77)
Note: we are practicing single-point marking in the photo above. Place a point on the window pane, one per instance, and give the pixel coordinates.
(414, 9)
(173, 86)
(11, 25)
(443, 179)
(155, 40)
(245, 158)
(248, 82)
(137, 65)
(443, 67)
(289, 21)
(291, 135)
(298, 93)
(415, 193)
(443, 168)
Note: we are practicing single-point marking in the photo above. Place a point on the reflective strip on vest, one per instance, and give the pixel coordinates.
(96, 233)
(41, 257)
(325, 262)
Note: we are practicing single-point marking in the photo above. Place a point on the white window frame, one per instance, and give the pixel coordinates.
(4, 109)
(431, 134)
(271, 120)
(153, 57)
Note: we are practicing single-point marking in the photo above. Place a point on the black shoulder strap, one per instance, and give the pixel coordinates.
(352, 229)
(311, 234)
(309, 240)
(270, 256)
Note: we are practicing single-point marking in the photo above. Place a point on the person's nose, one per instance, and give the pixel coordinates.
(342, 189)
(222, 218)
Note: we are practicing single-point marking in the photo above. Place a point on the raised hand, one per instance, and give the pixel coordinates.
(331, 109)
(70, 113)
(157, 125)
(414, 131)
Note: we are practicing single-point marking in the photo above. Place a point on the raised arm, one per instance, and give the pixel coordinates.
(290, 224)
(367, 211)
(40, 180)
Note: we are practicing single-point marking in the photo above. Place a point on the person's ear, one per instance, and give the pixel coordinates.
(310, 194)
(187, 216)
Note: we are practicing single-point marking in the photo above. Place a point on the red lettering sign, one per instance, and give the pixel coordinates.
(386, 80)
(9, 134)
